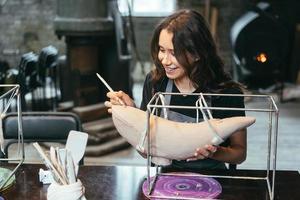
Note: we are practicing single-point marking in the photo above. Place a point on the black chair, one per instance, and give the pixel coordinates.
(40, 127)
(27, 78)
(47, 73)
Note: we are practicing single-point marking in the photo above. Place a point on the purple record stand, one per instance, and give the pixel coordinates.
(189, 186)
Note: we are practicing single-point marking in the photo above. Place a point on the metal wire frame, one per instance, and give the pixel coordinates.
(14, 98)
(272, 139)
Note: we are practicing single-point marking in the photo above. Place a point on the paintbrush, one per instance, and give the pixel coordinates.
(109, 88)
(49, 164)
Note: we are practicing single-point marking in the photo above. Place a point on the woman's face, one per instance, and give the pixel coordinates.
(167, 58)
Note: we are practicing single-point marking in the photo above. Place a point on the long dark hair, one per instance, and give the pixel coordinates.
(194, 49)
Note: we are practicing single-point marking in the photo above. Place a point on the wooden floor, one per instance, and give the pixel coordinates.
(288, 149)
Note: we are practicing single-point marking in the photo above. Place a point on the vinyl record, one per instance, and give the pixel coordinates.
(192, 186)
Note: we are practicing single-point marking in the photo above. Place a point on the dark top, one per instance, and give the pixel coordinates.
(150, 89)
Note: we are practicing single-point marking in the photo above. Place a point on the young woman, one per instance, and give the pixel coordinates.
(186, 61)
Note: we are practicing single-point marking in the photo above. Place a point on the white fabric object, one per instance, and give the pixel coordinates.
(73, 191)
(174, 140)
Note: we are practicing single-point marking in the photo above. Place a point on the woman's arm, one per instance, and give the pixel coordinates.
(236, 152)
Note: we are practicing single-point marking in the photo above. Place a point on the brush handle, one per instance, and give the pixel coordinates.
(109, 88)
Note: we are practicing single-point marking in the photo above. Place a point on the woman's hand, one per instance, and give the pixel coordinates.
(118, 98)
(202, 153)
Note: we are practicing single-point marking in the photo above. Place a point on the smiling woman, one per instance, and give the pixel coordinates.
(186, 61)
(167, 58)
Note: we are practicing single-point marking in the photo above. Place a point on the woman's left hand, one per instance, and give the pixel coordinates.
(202, 153)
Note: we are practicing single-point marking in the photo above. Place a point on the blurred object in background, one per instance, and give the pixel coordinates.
(262, 45)
(96, 42)
(38, 78)
(4, 66)
(47, 73)
(27, 79)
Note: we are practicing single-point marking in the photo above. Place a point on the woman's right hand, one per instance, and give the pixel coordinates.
(118, 98)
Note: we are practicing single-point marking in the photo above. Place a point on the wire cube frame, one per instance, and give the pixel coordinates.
(273, 114)
(10, 100)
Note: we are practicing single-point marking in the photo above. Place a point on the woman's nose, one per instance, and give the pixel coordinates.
(166, 59)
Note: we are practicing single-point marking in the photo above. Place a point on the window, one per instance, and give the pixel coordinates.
(147, 7)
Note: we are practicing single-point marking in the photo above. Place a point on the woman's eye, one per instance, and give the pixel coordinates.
(162, 50)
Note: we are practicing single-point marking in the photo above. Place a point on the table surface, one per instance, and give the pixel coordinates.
(125, 182)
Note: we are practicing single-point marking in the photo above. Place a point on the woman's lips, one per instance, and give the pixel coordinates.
(170, 69)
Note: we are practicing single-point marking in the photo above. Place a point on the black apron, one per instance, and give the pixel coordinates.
(191, 165)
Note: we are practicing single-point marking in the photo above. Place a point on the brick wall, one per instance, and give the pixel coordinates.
(27, 25)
